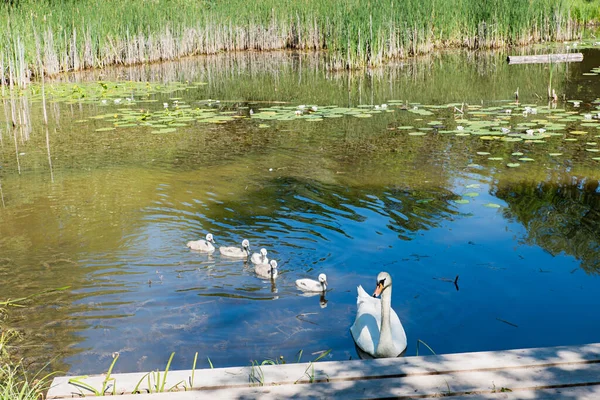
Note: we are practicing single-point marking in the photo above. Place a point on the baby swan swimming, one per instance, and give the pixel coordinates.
(205, 246)
(236, 252)
(260, 258)
(266, 270)
(310, 285)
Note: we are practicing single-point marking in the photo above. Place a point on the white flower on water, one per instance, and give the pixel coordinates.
(505, 130)
(251, 111)
(302, 106)
(166, 105)
(298, 112)
(576, 103)
(541, 130)
(377, 107)
(117, 101)
(384, 106)
(104, 101)
(530, 110)
(587, 116)
(314, 108)
(508, 111)
(529, 132)
(460, 128)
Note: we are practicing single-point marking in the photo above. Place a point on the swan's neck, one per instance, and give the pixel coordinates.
(385, 347)
(323, 286)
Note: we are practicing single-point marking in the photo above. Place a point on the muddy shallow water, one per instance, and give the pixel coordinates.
(427, 187)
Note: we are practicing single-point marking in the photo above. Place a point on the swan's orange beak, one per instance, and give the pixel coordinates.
(378, 289)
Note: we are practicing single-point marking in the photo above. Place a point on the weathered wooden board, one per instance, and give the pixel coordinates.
(525, 372)
(545, 58)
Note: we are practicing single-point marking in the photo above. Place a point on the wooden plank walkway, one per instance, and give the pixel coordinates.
(567, 372)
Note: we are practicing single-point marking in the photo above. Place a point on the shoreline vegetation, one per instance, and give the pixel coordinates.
(57, 36)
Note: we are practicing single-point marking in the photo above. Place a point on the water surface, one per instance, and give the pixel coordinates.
(111, 214)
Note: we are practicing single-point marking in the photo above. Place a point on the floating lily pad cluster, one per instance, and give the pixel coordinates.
(104, 93)
(317, 113)
(167, 120)
(129, 104)
(471, 195)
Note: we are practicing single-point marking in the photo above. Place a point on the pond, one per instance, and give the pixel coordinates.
(428, 169)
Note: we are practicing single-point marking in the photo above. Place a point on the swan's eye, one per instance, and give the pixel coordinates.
(382, 282)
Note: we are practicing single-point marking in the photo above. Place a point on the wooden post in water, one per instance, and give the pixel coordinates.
(545, 58)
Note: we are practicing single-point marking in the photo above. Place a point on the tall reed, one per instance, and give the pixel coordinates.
(79, 34)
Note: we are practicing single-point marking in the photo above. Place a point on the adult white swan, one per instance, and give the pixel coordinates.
(377, 330)
(236, 252)
(203, 245)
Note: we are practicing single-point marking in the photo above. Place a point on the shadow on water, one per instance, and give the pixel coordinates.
(561, 218)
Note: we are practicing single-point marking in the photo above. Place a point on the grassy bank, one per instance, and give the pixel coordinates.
(77, 34)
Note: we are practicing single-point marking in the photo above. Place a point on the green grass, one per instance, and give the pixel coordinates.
(78, 34)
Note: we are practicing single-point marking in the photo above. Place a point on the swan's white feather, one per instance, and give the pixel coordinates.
(309, 285)
(234, 252)
(365, 329)
(257, 258)
(201, 245)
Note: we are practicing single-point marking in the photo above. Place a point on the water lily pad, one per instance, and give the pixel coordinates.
(471, 194)
(462, 201)
(513, 165)
(165, 130)
(492, 205)
(108, 128)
